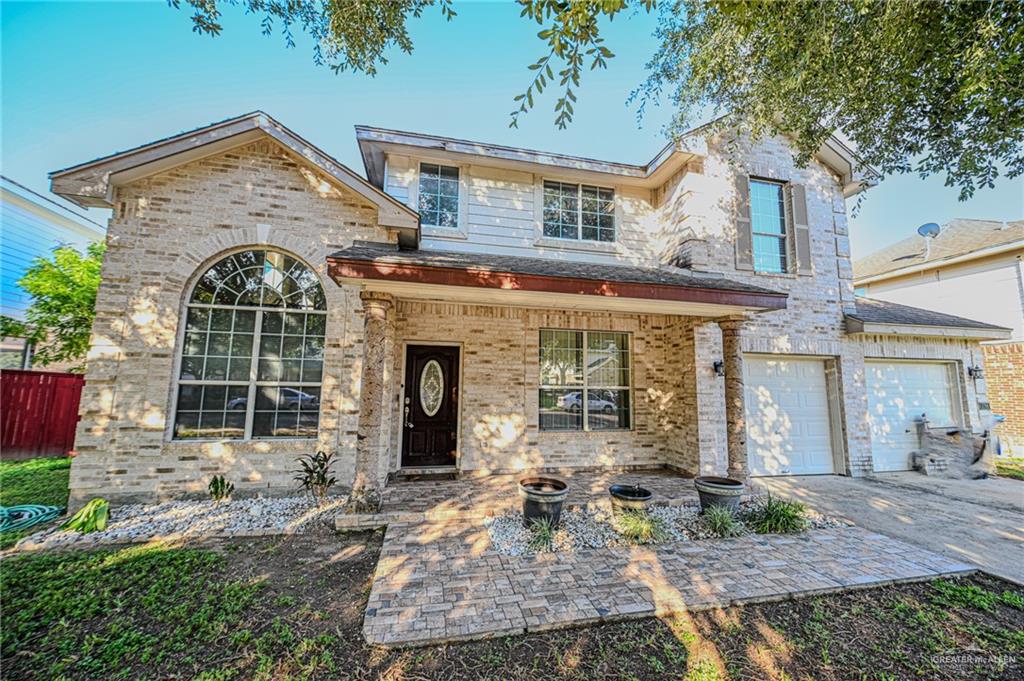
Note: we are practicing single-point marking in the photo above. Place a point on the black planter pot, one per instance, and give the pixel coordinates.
(715, 491)
(542, 498)
(629, 497)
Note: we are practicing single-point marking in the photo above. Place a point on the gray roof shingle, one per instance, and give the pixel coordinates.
(957, 237)
(873, 311)
(382, 253)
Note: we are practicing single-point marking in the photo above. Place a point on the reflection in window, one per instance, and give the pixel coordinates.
(768, 225)
(439, 195)
(584, 380)
(253, 351)
(579, 211)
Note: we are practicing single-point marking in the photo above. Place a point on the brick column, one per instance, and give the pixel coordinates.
(735, 413)
(372, 438)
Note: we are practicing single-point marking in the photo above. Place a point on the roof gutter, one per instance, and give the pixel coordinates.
(857, 326)
(934, 264)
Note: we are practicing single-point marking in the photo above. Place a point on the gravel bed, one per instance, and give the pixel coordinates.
(139, 522)
(582, 528)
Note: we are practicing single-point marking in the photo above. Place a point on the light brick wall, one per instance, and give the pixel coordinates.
(164, 232)
(1004, 375)
(500, 381)
(699, 206)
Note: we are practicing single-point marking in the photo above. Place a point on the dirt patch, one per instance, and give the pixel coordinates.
(292, 607)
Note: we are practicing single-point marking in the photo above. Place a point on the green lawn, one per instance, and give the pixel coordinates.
(291, 608)
(1010, 468)
(33, 481)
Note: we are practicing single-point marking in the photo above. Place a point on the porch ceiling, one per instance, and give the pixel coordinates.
(536, 282)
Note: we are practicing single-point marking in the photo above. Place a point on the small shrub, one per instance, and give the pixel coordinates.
(314, 476)
(721, 521)
(90, 518)
(772, 515)
(220, 489)
(640, 527)
(542, 535)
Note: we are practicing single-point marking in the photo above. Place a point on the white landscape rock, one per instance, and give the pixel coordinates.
(583, 528)
(197, 519)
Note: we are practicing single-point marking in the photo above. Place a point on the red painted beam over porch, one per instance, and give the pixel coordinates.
(344, 268)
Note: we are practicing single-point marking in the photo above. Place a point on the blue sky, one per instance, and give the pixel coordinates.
(81, 80)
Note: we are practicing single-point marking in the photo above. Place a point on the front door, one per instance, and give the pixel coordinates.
(430, 408)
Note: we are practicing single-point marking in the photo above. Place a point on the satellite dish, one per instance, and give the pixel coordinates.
(929, 230)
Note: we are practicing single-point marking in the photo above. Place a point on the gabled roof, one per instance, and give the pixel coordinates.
(884, 317)
(958, 239)
(692, 145)
(92, 183)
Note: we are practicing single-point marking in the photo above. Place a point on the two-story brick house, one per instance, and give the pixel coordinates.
(476, 308)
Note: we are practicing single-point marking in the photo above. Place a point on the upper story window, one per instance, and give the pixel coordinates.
(578, 211)
(253, 354)
(439, 195)
(768, 226)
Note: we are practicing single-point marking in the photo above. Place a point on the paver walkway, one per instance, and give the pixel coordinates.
(441, 581)
(475, 497)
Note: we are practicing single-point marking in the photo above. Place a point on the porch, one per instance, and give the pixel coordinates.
(488, 364)
(450, 498)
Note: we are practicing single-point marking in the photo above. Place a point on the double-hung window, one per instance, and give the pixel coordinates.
(768, 226)
(579, 211)
(439, 195)
(584, 380)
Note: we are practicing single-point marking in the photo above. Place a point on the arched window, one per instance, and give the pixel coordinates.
(253, 356)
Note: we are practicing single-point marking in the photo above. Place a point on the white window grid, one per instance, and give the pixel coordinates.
(253, 383)
(770, 248)
(572, 220)
(583, 384)
(433, 217)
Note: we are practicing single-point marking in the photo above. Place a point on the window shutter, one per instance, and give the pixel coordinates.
(801, 228)
(744, 239)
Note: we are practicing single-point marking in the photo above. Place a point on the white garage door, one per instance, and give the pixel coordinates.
(898, 392)
(788, 428)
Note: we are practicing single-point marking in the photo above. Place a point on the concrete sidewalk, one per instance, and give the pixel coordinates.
(977, 521)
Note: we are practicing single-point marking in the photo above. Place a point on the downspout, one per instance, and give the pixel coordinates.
(1020, 293)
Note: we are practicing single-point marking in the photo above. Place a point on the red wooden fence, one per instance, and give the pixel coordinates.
(38, 413)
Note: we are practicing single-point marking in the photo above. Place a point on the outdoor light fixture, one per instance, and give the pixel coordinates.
(719, 366)
(975, 372)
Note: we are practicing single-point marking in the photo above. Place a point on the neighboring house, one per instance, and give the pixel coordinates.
(260, 300)
(973, 268)
(31, 226)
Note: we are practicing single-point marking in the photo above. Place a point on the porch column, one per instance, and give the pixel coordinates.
(735, 411)
(371, 436)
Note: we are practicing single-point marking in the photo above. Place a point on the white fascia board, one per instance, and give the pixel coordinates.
(856, 326)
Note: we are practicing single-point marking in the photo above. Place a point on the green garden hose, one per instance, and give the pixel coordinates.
(22, 517)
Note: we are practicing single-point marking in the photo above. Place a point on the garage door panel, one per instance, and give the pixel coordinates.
(898, 393)
(788, 421)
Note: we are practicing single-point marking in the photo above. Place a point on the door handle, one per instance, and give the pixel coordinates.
(408, 423)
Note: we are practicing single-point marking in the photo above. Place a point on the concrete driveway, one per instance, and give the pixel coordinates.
(976, 521)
